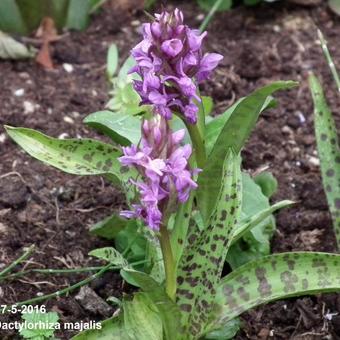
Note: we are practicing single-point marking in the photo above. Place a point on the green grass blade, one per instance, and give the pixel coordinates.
(205, 252)
(329, 152)
(277, 277)
(233, 136)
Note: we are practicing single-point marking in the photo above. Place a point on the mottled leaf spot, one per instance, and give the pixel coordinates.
(186, 307)
(288, 279)
(264, 287)
(330, 173)
(244, 295)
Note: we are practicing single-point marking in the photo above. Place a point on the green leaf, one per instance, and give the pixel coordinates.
(78, 14)
(112, 61)
(11, 19)
(111, 329)
(249, 223)
(334, 5)
(44, 325)
(267, 182)
(255, 243)
(227, 331)
(131, 242)
(12, 49)
(122, 128)
(276, 277)
(141, 318)
(180, 229)
(74, 156)
(329, 152)
(168, 310)
(109, 227)
(233, 135)
(110, 255)
(204, 254)
(208, 4)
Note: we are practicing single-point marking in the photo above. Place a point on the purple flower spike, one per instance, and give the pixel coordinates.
(170, 63)
(163, 165)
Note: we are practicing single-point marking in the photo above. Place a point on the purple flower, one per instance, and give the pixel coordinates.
(170, 63)
(163, 165)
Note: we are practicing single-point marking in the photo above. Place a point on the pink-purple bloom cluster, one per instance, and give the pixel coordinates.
(169, 61)
(163, 165)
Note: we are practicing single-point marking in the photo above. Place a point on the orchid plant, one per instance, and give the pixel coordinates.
(181, 175)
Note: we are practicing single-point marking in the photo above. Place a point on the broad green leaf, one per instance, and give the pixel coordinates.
(329, 152)
(215, 126)
(249, 223)
(112, 61)
(141, 318)
(12, 49)
(167, 309)
(45, 324)
(208, 4)
(233, 136)
(204, 254)
(74, 156)
(110, 255)
(122, 128)
(132, 242)
(255, 243)
(267, 182)
(276, 277)
(11, 20)
(109, 227)
(78, 14)
(111, 329)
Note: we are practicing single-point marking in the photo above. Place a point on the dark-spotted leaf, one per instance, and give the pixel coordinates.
(141, 318)
(276, 277)
(256, 242)
(74, 156)
(204, 254)
(110, 255)
(328, 151)
(122, 128)
(233, 136)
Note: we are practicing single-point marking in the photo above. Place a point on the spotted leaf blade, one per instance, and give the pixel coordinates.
(74, 156)
(233, 135)
(276, 277)
(204, 255)
(329, 152)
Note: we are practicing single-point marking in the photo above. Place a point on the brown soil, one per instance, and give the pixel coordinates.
(53, 210)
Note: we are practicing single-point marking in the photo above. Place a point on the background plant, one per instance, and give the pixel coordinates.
(195, 299)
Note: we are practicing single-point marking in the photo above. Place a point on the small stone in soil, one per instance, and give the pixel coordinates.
(93, 303)
(13, 193)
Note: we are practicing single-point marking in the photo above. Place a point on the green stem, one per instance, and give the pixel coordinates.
(209, 16)
(22, 258)
(63, 291)
(169, 263)
(198, 144)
